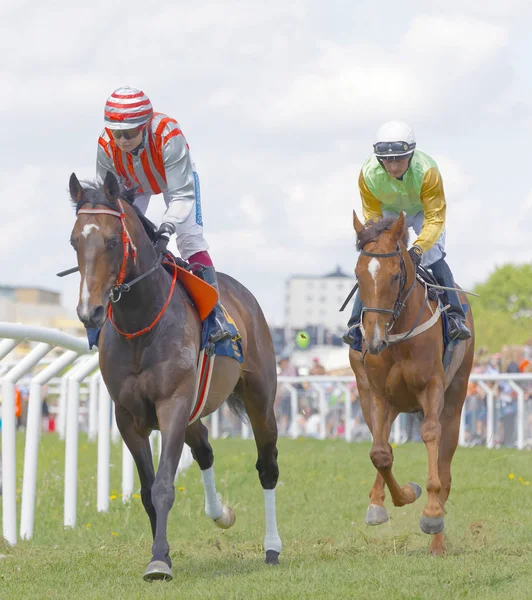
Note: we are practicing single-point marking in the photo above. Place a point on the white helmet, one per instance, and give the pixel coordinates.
(394, 139)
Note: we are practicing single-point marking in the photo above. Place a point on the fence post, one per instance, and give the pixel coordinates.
(104, 448)
(397, 429)
(520, 413)
(92, 429)
(62, 407)
(128, 473)
(9, 425)
(75, 377)
(490, 416)
(462, 430)
(215, 425)
(33, 431)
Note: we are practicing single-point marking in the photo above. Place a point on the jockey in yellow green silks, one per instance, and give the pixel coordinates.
(399, 178)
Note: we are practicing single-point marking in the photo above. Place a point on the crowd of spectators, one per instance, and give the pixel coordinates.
(306, 421)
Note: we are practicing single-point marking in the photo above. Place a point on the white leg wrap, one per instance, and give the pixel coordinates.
(213, 504)
(272, 541)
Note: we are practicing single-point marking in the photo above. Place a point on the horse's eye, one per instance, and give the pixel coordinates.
(111, 242)
(396, 277)
(73, 243)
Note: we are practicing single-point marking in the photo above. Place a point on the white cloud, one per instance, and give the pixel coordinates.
(251, 209)
(462, 42)
(279, 102)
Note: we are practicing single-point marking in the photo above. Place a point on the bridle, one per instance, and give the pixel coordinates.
(399, 303)
(129, 249)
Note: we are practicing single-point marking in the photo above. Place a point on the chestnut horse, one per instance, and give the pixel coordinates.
(152, 377)
(400, 370)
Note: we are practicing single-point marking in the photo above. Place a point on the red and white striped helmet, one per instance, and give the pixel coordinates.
(127, 108)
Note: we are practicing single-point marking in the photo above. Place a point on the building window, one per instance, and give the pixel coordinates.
(323, 299)
(310, 298)
(310, 284)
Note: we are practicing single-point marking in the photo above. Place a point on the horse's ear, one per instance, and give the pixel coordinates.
(111, 187)
(398, 230)
(357, 224)
(76, 191)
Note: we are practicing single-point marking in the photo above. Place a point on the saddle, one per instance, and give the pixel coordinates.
(204, 297)
(435, 294)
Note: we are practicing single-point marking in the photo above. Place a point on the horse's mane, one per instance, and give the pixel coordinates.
(94, 193)
(373, 230)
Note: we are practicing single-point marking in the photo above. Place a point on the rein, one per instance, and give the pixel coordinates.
(120, 287)
(399, 304)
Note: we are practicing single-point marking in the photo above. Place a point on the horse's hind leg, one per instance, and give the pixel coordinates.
(139, 446)
(197, 437)
(432, 520)
(258, 395)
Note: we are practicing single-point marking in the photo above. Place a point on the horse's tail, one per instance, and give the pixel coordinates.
(236, 405)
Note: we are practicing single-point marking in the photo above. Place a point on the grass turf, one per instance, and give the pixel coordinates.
(321, 501)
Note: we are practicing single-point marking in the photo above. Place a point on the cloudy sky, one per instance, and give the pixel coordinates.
(279, 102)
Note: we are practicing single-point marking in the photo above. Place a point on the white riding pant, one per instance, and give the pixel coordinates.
(437, 251)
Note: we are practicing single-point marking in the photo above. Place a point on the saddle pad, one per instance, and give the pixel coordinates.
(228, 347)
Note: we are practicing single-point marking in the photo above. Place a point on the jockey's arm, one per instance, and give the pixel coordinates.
(434, 208)
(104, 162)
(371, 207)
(180, 193)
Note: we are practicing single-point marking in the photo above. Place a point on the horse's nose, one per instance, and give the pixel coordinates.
(94, 317)
(376, 349)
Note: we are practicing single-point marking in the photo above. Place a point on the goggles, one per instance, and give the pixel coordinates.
(393, 149)
(127, 134)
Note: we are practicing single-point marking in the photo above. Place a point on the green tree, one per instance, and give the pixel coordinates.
(503, 313)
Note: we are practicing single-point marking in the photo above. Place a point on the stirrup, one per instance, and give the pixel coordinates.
(460, 330)
(350, 337)
(220, 333)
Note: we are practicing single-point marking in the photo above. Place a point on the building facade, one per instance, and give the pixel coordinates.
(315, 301)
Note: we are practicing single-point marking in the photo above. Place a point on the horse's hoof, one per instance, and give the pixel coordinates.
(416, 489)
(158, 570)
(272, 557)
(376, 515)
(431, 525)
(227, 519)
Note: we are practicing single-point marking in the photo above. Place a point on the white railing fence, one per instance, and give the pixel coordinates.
(80, 377)
(319, 407)
(334, 409)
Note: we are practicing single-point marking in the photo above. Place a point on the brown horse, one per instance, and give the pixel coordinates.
(396, 375)
(152, 377)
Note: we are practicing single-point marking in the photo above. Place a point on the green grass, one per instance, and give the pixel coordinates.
(328, 551)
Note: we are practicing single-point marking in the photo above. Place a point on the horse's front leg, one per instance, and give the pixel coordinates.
(137, 441)
(172, 415)
(432, 402)
(382, 418)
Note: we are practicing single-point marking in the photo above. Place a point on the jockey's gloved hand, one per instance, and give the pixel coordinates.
(415, 254)
(163, 237)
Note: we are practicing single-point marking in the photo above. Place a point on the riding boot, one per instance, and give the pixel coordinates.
(353, 337)
(458, 330)
(222, 330)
